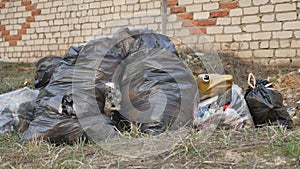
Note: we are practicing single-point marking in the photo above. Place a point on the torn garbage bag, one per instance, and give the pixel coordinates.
(157, 90)
(266, 103)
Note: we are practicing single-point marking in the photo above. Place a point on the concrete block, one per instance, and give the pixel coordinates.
(235, 20)
(296, 62)
(119, 2)
(190, 39)
(210, 6)
(285, 53)
(223, 21)
(86, 32)
(194, 8)
(266, 8)
(223, 38)
(268, 18)
(285, 44)
(242, 37)
(286, 16)
(254, 45)
(58, 22)
(107, 3)
(57, 3)
(297, 34)
(157, 4)
(274, 44)
(282, 35)
(214, 30)
(261, 36)
(295, 44)
(250, 19)
(132, 1)
(106, 17)
(264, 45)
(201, 15)
(263, 53)
(185, 2)
(147, 20)
(251, 28)
(285, 7)
(271, 26)
(236, 12)
(245, 54)
(232, 29)
(245, 3)
(250, 10)
(260, 2)
(295, 25)
(182, 32)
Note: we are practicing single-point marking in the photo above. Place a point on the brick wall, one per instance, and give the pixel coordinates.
(262, 31)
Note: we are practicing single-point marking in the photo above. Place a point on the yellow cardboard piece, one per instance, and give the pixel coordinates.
(213, 84)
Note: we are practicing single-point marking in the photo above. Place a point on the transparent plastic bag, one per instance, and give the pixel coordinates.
(228, 111)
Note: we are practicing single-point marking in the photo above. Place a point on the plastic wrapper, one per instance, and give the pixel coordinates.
(228, 111)
(11, 119)
(266, 104)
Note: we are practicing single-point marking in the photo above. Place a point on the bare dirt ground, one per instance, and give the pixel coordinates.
(268, 147)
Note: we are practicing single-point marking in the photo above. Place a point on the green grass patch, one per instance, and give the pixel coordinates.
(16, 75)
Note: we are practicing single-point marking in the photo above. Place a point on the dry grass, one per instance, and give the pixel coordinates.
(269, 147)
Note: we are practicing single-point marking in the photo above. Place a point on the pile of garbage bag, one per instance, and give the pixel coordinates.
(151, 87)
(136, 77)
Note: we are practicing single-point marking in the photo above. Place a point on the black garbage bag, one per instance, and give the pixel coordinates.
(158, 89)
(153, 81)
(266, 104)
(49, 121)
(25, 115)
(55, 128)
(55, 117)
(45, 68)
(12, 118)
